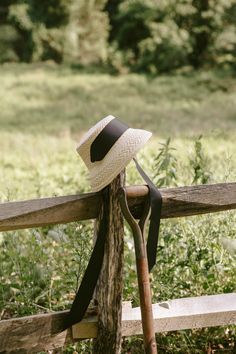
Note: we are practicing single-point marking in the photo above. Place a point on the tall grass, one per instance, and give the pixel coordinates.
(51, 99)
(44, 111)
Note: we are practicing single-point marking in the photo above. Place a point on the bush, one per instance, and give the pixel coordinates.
(166, 49)
(166, 35)
(43, 39)
(8, 40)
(60, 30)
(92, 30)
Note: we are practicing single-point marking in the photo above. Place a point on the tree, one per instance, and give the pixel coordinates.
(157, 36)
(92, 26)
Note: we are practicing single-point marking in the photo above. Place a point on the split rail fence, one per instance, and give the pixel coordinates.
(42, 332)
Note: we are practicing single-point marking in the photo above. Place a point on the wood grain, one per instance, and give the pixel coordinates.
(186, 201)
(37, 333)
(179, 314)
(33, 334)
(185, 313)
(46, 211)
(177, 202)
(110, 284)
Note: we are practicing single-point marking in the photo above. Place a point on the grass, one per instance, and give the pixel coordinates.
(44, 110)
(51, 99)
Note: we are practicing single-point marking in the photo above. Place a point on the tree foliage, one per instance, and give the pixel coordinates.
(159, 36)
(54, 29)
(142, 35)
(93, 26)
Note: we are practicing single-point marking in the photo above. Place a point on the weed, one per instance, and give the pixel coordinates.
(165, 166)
(199, 164)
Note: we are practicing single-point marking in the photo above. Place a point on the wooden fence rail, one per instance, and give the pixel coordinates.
(177, 202)
(39, 332)
(32, 334)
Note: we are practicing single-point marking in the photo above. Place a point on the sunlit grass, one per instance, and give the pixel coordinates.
(52, 99)
(43, 112)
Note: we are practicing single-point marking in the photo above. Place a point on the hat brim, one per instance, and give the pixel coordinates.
(122, 152)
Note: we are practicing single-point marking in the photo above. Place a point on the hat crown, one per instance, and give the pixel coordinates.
(85, 144)
(124, 146)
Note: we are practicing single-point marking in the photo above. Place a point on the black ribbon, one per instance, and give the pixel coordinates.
(90, 278)
(106, 139)
(99, 148)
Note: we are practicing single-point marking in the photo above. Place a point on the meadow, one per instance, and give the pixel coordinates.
(44, 110)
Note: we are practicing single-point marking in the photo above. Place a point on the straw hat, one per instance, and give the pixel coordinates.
(102, 172)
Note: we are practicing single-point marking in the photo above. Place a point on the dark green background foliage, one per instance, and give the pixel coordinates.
(163, 35)
(141, 35)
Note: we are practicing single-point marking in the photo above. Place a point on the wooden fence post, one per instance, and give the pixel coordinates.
(110, 285)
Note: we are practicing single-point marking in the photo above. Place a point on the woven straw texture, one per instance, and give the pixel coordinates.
(125, 148)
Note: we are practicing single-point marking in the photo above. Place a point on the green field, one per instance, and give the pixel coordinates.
(49, 99)
(44, 109)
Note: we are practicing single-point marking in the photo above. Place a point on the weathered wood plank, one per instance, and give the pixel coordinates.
(32, 334)
(186, 313)
(186, 201)
(46, 211)
(177, 202)
(109, 288)
(179, 314)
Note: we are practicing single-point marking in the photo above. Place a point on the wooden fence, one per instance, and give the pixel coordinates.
(42, 332)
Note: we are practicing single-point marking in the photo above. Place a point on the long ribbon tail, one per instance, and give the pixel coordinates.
(91, 275)
(155, 217)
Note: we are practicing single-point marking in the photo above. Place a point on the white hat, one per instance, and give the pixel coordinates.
(125, 147)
